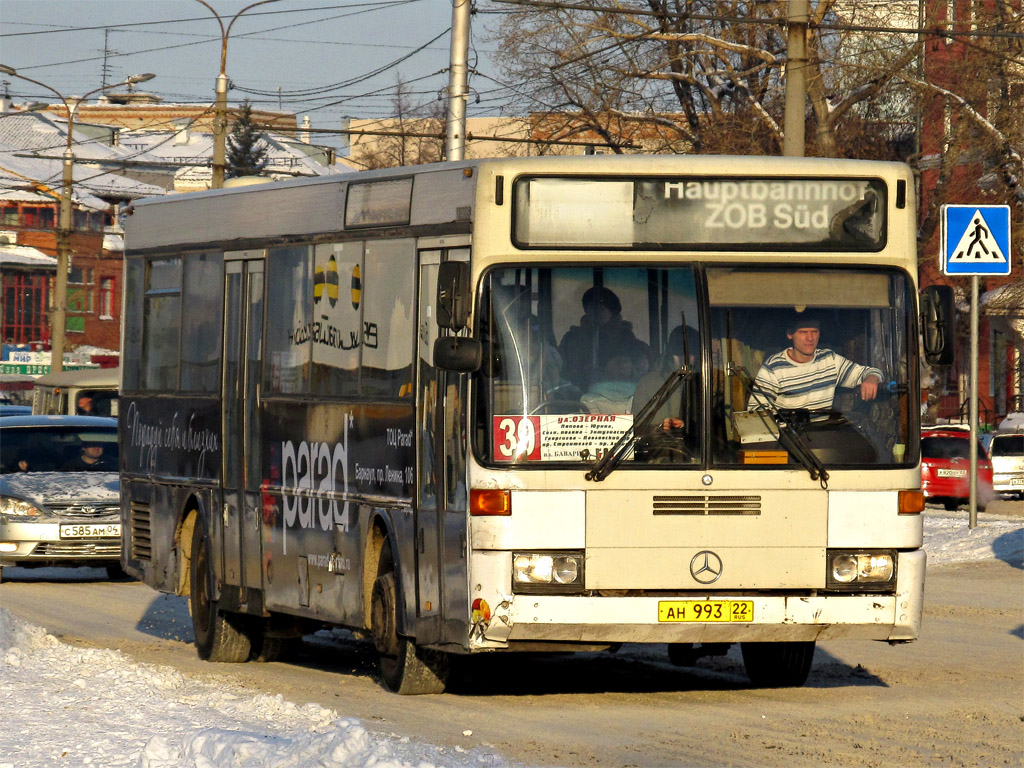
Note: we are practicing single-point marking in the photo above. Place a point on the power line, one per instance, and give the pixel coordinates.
(128, 25)
(939, 30)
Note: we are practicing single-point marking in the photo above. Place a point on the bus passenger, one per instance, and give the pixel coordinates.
(670, 412)
(804, 376)
(84, 405)
(602, 336)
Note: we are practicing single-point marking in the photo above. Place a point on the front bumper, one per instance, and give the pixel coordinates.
(40, 543)
(894, 617)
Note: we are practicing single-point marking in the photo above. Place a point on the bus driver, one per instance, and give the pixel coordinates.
(804, 376)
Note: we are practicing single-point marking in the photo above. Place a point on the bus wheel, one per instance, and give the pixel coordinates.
(219, 635)
(778, 665)
(404, 668)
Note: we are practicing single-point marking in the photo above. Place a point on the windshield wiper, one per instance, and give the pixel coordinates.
(624, 445)
(789, 436)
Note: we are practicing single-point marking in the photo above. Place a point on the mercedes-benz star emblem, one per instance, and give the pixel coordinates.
(706, 567)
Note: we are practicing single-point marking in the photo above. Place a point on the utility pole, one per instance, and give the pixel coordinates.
(794, 124)
(65, 222)
(458, 82)
(220, 119)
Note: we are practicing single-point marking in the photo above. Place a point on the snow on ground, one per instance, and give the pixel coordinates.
(79, 707)
(94, 707)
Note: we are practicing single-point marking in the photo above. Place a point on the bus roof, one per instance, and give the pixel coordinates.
(87, 377)
(444, 195)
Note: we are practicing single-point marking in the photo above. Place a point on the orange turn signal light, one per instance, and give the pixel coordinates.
(487, 502)
(911, 502)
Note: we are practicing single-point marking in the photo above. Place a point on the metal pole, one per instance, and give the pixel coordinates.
(458, 82)
(974, 405)
(220, 131)
(58, 316)
(65, 223)
(220, 119)
(794, 123)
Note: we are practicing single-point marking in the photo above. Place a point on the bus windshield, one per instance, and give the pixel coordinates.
(722, 359)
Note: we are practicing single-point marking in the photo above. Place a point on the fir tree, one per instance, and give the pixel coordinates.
(247, 149)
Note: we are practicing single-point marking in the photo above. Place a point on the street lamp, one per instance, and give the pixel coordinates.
(221, 109)
(32, 106)
(64, 221)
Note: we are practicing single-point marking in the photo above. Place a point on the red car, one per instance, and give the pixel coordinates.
(946, 464)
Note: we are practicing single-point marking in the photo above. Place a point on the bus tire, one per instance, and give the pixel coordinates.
(404, 668)
(219, 636)
(778, 665)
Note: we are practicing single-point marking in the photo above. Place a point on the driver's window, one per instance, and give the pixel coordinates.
(820, 350)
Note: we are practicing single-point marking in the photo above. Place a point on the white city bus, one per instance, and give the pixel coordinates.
(508, 405)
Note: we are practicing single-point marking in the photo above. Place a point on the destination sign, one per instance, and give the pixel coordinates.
(701, 213)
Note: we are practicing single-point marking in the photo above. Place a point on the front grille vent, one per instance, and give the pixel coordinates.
(142, 534)
(84, 510)
(101, 548)
(700, 504)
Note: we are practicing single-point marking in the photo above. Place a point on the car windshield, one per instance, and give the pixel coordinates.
(1008, 445)
(945, 448)
(58, 449)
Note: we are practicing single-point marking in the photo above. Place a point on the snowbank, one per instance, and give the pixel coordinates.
(91, 707)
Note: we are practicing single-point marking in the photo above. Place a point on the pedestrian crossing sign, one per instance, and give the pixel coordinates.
(976, 239)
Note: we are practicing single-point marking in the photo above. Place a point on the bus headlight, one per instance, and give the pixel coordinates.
(860, 570)
(547, 572)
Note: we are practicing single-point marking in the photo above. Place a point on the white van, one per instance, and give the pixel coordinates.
(1007, 454)
(66, 392)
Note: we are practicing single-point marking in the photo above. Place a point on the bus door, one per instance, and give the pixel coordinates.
(441, 497)
(243, 332)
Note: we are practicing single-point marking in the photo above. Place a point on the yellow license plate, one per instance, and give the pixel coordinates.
(706, 610)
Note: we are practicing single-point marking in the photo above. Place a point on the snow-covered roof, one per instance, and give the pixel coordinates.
(25, 256)
(45, 135)
(190, 148)
(20, 174)
(1005, 300)
(1014, 422)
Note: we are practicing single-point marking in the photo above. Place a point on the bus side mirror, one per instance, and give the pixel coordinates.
(458, 354)
(453, 295)
(938, 321)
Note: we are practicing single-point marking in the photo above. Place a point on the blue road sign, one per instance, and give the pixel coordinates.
(976, 239)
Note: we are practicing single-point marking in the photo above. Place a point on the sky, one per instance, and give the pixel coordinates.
(174, 721)
(351, 53)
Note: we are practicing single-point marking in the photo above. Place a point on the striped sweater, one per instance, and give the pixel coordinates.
(811, 385)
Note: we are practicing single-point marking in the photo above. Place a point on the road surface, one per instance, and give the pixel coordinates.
(954, 698)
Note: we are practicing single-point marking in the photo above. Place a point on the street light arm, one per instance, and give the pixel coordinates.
(224, 33)
(64, 216)
(247, 8)
(221, 109)
(14, 73)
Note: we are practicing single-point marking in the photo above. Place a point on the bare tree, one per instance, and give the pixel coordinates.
(708, 76)
(415, 135)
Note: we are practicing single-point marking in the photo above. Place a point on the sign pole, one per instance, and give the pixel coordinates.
(975, 242)
(973, 523)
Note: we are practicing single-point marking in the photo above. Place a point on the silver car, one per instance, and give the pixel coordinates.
(1007, 453)
(59, 492)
